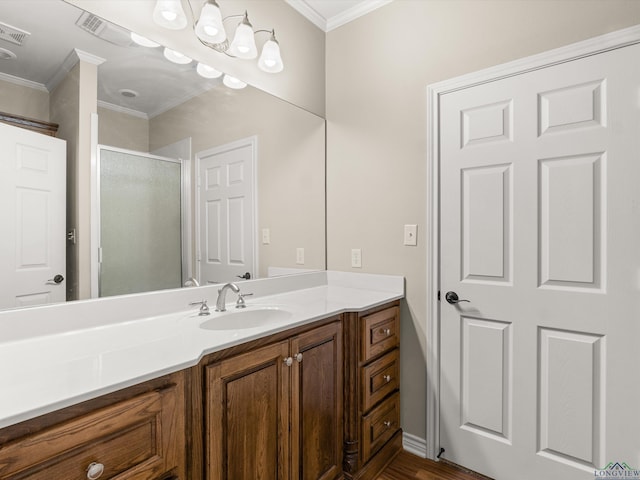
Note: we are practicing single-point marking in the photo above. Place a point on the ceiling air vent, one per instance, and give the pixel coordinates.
(13, 34)
(102, 29)
(91, 23)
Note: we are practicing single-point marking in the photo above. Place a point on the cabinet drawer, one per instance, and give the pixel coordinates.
(379, 379)
(380, 333)
(127, 438)
(380, 425)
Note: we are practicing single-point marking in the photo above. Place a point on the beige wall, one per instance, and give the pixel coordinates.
(302, 44)
(121, 130)
(378, 68)
(24, 101)
(290, 164)
(72, 103)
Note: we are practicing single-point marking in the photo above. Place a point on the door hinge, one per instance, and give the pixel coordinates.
(438, 295)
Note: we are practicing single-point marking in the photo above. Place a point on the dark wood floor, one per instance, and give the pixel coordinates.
(407, 466)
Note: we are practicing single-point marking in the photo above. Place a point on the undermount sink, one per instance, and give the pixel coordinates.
(246, 318)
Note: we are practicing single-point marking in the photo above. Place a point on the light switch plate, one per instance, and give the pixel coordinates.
(299, 256)
(411, 235)
(266, 236)
(356, 258)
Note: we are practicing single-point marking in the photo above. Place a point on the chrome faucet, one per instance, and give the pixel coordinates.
(204, 308)
(222, 293)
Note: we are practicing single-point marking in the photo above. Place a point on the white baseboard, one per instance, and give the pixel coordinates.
(415, 445)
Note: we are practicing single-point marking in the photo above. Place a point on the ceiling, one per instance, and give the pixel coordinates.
(330, 14)
(47, 54)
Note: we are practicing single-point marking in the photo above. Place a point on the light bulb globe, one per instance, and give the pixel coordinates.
(209, 27)
(169, 14)
(233, 82)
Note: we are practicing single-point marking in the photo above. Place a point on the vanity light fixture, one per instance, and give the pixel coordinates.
(176, 57)
(209, 27)
(210, 30)
(207, 72)
(169, 14)
(7, 54)
(270, 59)
(233, 82)
(143, 41)
(244, 41)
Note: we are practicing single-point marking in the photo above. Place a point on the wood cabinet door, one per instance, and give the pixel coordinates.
(316, 404)
(247, 416)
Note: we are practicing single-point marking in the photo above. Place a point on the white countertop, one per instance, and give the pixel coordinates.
(56, 356)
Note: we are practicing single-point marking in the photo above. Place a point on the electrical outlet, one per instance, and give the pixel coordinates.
(356, 258)
(266, 236)
(299, 256)
(411, 235)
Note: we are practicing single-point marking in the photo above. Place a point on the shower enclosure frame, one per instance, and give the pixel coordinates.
(185, 213)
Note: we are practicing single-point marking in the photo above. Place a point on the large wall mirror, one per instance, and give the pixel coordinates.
(192, 181)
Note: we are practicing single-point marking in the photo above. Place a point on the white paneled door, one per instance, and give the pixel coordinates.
(226, 212)
(32, 214)
(540, 232)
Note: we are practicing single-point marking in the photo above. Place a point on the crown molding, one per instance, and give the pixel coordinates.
(354, 12)
(74, 57)
(305, 10)
(328, 24)
(125, 110)
(23, 82)
(88, 57)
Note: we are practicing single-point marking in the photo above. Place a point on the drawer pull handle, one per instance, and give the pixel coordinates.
(95, 471)
(288, 361)
(387, 424)
(298, 357)
(386, 331)
(387, 378)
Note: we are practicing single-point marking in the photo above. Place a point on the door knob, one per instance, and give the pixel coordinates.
(452, 298)
(246, 276)
(57, 279)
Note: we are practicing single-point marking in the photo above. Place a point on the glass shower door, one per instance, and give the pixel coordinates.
(140, 222)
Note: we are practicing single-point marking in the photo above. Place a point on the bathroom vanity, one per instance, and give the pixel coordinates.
(302, 383)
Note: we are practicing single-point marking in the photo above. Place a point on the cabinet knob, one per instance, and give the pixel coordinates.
(387, 424)
(288, 361)
(95, 471)
(386, 331)
(299, 357)
(387, 378)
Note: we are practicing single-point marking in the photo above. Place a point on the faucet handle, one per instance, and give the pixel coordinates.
(204, 308)
(240, 303)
